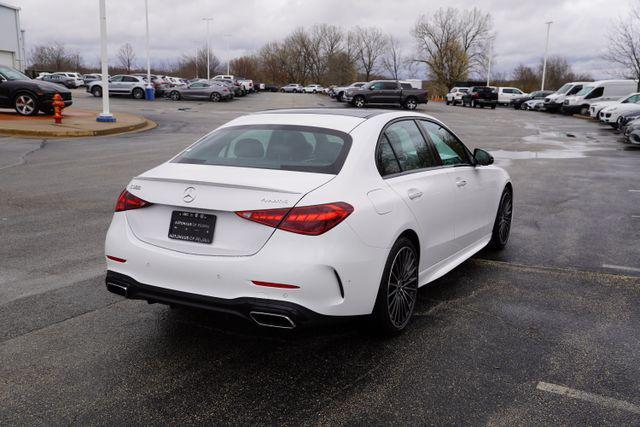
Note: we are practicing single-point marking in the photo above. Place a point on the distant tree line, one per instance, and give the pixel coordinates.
(453, 45)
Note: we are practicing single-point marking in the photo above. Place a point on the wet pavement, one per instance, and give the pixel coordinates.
(559, 306)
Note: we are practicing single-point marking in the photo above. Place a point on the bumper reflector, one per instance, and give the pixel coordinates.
(116, 259)
(274, 285)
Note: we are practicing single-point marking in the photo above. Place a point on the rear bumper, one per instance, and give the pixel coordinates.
(286, 315)
(343, 281)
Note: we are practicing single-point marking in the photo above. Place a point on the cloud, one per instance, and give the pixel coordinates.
(578, 31)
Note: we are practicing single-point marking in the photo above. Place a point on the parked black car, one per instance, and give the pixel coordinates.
(539, 94)
(65, 81)
(627, 118)
(385, 92)
(28, 96)
(270, 87)
(481, 96)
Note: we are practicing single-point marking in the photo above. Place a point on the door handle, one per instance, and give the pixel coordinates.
(461, 182)
(414, 193)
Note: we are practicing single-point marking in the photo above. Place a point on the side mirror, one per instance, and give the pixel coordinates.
(482, 157)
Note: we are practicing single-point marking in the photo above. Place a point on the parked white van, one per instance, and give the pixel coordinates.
(554, 101)
(603, 90)
(506, 94)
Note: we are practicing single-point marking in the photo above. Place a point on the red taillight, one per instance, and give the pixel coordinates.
(274, 285)
(116, 259)
(127, 201)
(309, 220)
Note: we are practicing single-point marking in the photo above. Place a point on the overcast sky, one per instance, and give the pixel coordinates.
(578, 32)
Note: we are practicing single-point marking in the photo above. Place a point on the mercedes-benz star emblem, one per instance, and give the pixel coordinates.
(189, 194)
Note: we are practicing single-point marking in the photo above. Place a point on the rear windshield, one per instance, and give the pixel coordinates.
(292, 148)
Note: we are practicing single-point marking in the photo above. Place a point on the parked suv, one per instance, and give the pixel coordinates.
(75, 76)
(120, 85)
(553, 102)
(60, 79)
(386, 92)
(28, 96)
(292, 88)
(338, 92)
(455, 95)
(481, 96)
(519, 101)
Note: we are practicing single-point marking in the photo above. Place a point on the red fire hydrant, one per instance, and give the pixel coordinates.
(58, 105)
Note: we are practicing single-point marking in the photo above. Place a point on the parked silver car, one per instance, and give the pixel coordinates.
(292, 88)
(201, 90)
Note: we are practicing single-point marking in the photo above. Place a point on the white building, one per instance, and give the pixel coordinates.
(12, 52)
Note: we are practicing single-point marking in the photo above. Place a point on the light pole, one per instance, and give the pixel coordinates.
(546, 52)
(490, 58)
(226, 36)
(105, 116)
(149, 91)
(208, 50)
(197, 53)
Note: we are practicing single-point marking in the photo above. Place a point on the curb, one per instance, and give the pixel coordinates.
(148, 124)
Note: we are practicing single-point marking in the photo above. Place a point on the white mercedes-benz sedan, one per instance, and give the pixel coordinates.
(289, 217)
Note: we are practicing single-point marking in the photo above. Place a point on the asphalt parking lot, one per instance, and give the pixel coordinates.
(544, 332)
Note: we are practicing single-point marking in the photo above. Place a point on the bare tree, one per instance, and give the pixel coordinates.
(394, 59)
(452, 44)
(196, 64)
(558, 73)
(370, 45)
(126, 56)
(53, 57)
(624, 43)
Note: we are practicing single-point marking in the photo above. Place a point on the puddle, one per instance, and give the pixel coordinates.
(544, 154)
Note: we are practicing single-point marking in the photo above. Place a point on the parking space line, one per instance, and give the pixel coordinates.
(620, 267)
(588, 397)
(635, 191)
(635, 216)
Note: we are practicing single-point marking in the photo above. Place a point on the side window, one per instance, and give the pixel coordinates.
(129, 79)
(451, 150)
(575, 90)
(116, 79)
(389, 86)
(386, 160)
(376, 86)
(633, 99)
(408, 146)
(507, 90)
(596, 93)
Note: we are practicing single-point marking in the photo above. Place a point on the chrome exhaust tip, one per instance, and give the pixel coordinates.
(119, 289)
(272, 320)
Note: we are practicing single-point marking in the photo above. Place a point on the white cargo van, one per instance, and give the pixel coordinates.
(603, 90)
(554, 101)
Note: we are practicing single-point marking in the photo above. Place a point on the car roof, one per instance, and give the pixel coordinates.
(341, 119)
(348, 112)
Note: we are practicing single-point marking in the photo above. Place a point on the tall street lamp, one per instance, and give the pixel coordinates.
(105, 116)
(149, 91)
(226, 36)
(546, 52)
(208, 50)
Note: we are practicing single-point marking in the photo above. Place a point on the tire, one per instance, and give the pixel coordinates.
(359, 102)
(447, 102)
(96, 91)
(315, 91)
(502, 223)
(410, 103)
(584, 111)
(493, 106)
(26, 104)
(174, 95)
(339, 97)
(473, 104)
(282, 90)
(397, 296)
(215, 97)
(137, 93)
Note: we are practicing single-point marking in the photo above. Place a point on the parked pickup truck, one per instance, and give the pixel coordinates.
(481, 96)
(386, 92)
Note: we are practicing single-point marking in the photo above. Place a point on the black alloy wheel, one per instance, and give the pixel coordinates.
(502, 224)
(398, 288)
